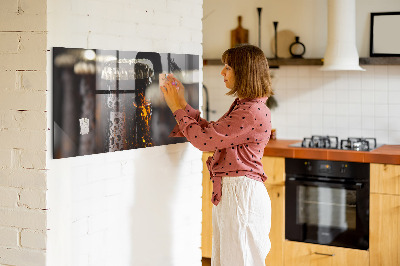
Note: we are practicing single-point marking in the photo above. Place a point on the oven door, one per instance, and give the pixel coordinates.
(327, 213)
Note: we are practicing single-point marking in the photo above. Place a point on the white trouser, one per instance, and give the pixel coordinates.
(241, 223)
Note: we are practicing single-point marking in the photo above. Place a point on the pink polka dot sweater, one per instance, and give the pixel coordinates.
(238, 139)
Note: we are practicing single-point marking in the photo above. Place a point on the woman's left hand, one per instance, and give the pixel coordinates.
(171, 94)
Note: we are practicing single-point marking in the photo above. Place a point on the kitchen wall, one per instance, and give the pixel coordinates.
(304, 18)
(136, 207)
(343, 103)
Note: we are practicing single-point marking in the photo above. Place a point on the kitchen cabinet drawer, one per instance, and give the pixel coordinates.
(274, 168)
(305, 254)
(385, 178)
(384, 236)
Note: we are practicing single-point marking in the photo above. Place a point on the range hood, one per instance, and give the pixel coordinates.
(341, 51)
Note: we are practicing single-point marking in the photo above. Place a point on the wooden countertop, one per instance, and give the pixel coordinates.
(389, 154)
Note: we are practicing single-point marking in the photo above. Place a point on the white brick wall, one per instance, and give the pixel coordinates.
(108, 209)
(23, 132)
(136, 207)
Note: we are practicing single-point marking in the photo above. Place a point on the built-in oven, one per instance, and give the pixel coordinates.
(327, 202)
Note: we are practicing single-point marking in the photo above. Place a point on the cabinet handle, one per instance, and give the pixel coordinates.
(325, 254)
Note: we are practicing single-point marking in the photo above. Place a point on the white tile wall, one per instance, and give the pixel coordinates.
(312, 102)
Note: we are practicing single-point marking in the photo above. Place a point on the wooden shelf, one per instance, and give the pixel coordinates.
(274, 63)
(380, 61)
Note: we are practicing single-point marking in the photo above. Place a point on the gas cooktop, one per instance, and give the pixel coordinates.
(332, 142)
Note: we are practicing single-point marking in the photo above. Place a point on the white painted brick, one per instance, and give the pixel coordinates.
(35, 120)
(167, 19)
(23, 178)
(7, 80)
(17, 256)
(33, 199)
(153, 33)
(23, 22)
(196, 37)
(26, 139)
(107, 42)
(134, 43)
(114, 186)
(191, 23)
(96, 173)
(33, 159)
(32, 55)
(196, 11)
(150, 7)
(31, 80)
(9, 42)
(80, 227)
(23, 218)
(179, 7)
(8, 197)
(8, 6)
(111, 27)
(5, 158)
(33, 239)
(22, 100)
(9, 237)
(98, 222)
(16, 158)
(34, 7)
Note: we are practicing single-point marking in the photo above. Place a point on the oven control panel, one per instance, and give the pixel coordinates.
(338, 169)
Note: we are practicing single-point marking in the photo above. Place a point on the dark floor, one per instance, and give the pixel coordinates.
(206, 261)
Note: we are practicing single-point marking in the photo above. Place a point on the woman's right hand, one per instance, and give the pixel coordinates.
(181, 90)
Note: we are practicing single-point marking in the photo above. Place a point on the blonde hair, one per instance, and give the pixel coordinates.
(250, 66)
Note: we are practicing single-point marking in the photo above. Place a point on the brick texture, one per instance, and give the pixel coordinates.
(23, 125)
(33, 239)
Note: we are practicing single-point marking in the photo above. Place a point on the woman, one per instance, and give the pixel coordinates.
(242, 208)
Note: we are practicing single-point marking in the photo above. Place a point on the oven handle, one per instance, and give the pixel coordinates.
(357, 185)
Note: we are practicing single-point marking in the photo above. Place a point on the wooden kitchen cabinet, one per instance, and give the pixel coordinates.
(384, 236)
(277, 233)
(206, 225)
(274, 168)
(305, 254)
(385, 178)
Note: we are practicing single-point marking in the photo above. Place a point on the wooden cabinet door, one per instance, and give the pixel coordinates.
(206, 232)
(277, 233)
(385, 178)
(274, 168)
(384, 236)
(305, 254)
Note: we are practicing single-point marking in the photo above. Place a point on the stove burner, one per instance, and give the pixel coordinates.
(358, 144)
(328, 142)
(332, 142)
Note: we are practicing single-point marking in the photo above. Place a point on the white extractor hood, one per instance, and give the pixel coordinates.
(341, 51)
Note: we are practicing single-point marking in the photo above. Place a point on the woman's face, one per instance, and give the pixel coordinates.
(229, 76)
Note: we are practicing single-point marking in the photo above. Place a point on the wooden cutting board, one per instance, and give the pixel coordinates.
(239, 35)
